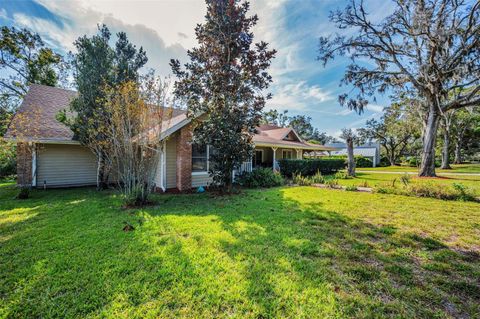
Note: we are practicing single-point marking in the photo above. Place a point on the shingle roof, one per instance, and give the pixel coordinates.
(36, 120)
(272, 135)
(36, 117)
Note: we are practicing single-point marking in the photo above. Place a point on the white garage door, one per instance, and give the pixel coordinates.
(65, 165)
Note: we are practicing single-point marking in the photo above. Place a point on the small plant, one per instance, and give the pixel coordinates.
(405, 179)
(385, 189)
(300, 180)
(332, 183)
(351, 188)
(318, 178)
(341, 175)
(393, 182)
(24, 193)
(463, 192)
(363, 184)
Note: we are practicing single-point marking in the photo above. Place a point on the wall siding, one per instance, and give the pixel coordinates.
(171, 161)
(65, 165)
(201, 180)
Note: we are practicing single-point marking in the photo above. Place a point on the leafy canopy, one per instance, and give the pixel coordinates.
(224, 82)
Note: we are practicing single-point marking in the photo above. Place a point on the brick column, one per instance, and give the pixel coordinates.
(24, 164)
(184, 159)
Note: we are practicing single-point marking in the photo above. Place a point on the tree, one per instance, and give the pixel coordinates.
(301, 123)
(350, 138)
(276, 118)
(463, 124)
(24, 60)
(223, 82)
(395, 131)
(137, 113)
(429, 48)
(97, 66)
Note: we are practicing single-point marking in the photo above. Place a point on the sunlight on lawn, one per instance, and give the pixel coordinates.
(285, 252)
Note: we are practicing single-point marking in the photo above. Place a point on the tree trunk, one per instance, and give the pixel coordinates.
(458, 152)
(391, 159)
(351, 158)
(103, 173)
(445, 153)
(427, 166)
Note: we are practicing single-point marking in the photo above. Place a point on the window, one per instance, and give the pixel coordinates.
(287, 154)
(258, 158)
(199, 158)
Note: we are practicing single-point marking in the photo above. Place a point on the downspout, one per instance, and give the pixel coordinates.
(164, 166)
(34, 165)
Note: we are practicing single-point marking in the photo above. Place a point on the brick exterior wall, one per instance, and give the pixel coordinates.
(24, 164)
(184, 159)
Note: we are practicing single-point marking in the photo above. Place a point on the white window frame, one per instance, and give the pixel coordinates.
(287, 151)
(208, 164)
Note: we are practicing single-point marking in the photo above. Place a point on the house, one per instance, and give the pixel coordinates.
(368, 150)
(56, 159)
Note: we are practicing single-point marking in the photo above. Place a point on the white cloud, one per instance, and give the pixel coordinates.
(80, 18)
(3, 13)
(298, 96)
(375, 108)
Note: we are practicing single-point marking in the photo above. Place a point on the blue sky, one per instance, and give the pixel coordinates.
(165, 28)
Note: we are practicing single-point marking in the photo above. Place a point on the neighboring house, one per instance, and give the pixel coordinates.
(369, 150)
(58, 160)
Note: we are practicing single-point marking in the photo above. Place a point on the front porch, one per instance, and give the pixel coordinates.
(268, 156)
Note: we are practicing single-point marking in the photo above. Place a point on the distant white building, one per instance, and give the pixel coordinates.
(369, 150)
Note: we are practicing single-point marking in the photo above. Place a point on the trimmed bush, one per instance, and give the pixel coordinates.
(309, 167)
(361, 161)
(260, 177)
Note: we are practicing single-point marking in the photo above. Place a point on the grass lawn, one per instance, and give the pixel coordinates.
(296, 252)
(456, 168)
(379, 179)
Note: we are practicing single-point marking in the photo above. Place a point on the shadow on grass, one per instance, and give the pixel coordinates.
(261, 254)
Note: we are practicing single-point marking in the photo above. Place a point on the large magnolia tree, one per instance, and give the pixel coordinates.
(224, 82)
(430, 48)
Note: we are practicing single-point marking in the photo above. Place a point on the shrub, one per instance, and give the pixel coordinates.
(309, 167)
(432, 190)
(384, 161)
(23, 193)
(463, 192)
(260, 177)
(341, 175)
(361, 161)
(363, 184)
(300, 180)
(317, 178)
(332, 183)
(413, 162)
(7, 159)
(351, 188)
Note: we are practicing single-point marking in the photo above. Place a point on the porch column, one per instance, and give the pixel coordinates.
(299, 154)
(274, 149)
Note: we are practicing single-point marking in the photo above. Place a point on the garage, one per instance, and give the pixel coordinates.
(63, 165)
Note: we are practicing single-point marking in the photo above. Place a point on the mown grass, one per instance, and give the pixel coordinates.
(379, 179)
(295, 252)
(456, 168)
